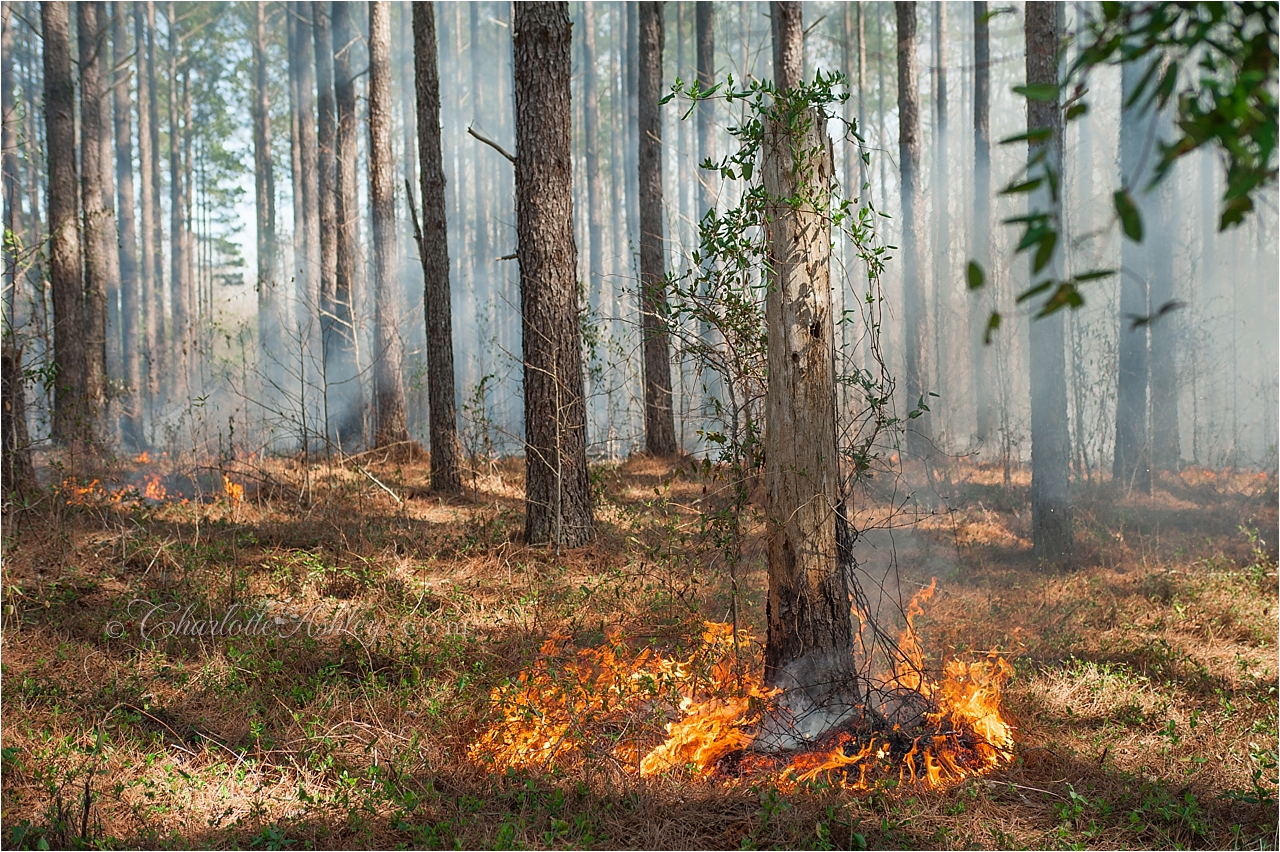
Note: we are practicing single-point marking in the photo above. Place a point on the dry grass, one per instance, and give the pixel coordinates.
(1145, 693)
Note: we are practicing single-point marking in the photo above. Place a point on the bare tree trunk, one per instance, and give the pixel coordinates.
(1166, 450)
(270, 354)
(326, 134)
(659, 419)
(114, 361)
(445, 450)
(388, 385)
(71, 412)
(130, 289)
(941, 197)
(19, 474)
(909, 164)
(705, 23)
(347, 217)
(480, 224)
(9, 166)
(980, 228)
(810, 630)
(180, 378)
(1050, 436)
(595, 185)
(1132, 464)
(97, 217)
(309, 267)
(152, 219)
(557, 482)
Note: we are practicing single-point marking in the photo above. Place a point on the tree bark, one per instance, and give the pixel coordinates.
(941, 197)
(19, 474)
(130, 286)
(98, 232)
(446, 452)
(114, 359)
(9, 166)
(388, 385)
(595, 184)
(346, 216)
(808, 650)
(270, 350)
(980, 229)
(557, 483)
(306, 189)
(909, 165)
(71, 411)
(182, 326)
(149, 201)
(704, 24)
(659, 419)
(1166, 450)
(1132, 464)
(1050, 436)
(326, 163)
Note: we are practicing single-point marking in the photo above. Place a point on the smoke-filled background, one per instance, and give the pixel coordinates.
(246, 395)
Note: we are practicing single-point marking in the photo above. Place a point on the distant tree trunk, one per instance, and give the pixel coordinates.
(1166, 348)
(114, 361)
(71, 412)
(1132, 464)
(480, 226)
(980, 228)
(557, 482)
(388, 385)
(326, 134)
(152, 219)
(941, 196)
(810, 630)
(9, 164)
(659, 419)
(270, 352)
(617, 136)
(631, 75)
(445, 450)
(862, 94)
(309, 268)
(130, 289)
(180, 292)
(19, 474)
(909, 165)
(97, 217)
(595, 184)
(346, 209)
(705, 25)
(1050, 436)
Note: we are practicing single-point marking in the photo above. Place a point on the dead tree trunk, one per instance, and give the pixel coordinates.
(557, 483)
(1050, 437)
(445, 450)
(808, 651)
(98, 232)
(388, 386)
(130, 286)
(659, 419)
(71, 414)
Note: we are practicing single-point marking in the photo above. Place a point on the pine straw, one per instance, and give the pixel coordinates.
(1145, 694)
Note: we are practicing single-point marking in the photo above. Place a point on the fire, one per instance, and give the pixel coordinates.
(144, 458)
(233, 491)
(604, 701)
(154, 489)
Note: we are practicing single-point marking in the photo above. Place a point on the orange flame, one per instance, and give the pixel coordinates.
(154, 489)
(233, 491)
(144, 458)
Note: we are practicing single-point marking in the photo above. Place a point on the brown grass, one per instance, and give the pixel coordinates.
(1145, 688)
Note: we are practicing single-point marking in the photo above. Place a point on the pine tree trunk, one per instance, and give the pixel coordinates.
(388, 385)
(309, 266)
(909, 165)
(9, 165)
(557, 482)
(1166, 450)
(114, 363)
(446, 452)
(130, 286)
(1050, 437)
(18, 473)
(152, 218)
(343, 371)
(980, 228)
(810, 630)
(181, 334)
(327, 202)
(71, 411)
(941, 197)
(705, 22)
(270, 350)
(595, 184)
(659, 419)
(97, 217)
(1132, 464)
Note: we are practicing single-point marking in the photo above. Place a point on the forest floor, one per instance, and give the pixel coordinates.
(1144, 688)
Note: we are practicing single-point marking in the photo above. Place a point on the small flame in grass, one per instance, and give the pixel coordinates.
(603, 703)
(154, 488)
(233, 491)
(143, 458)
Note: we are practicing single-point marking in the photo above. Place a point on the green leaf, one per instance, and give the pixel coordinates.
(1025, 186)
(1129, 217)
(1038, 134)
(1046, 92)
(1045, 252)
(1076, 110)
(976, 276)
(993, 324)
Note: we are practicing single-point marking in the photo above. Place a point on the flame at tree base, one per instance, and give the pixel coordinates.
(610, 705)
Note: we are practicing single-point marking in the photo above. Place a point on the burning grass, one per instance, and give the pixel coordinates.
(415, 675)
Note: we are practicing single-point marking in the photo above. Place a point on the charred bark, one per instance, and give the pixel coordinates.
(446, 452)
(557, 483)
